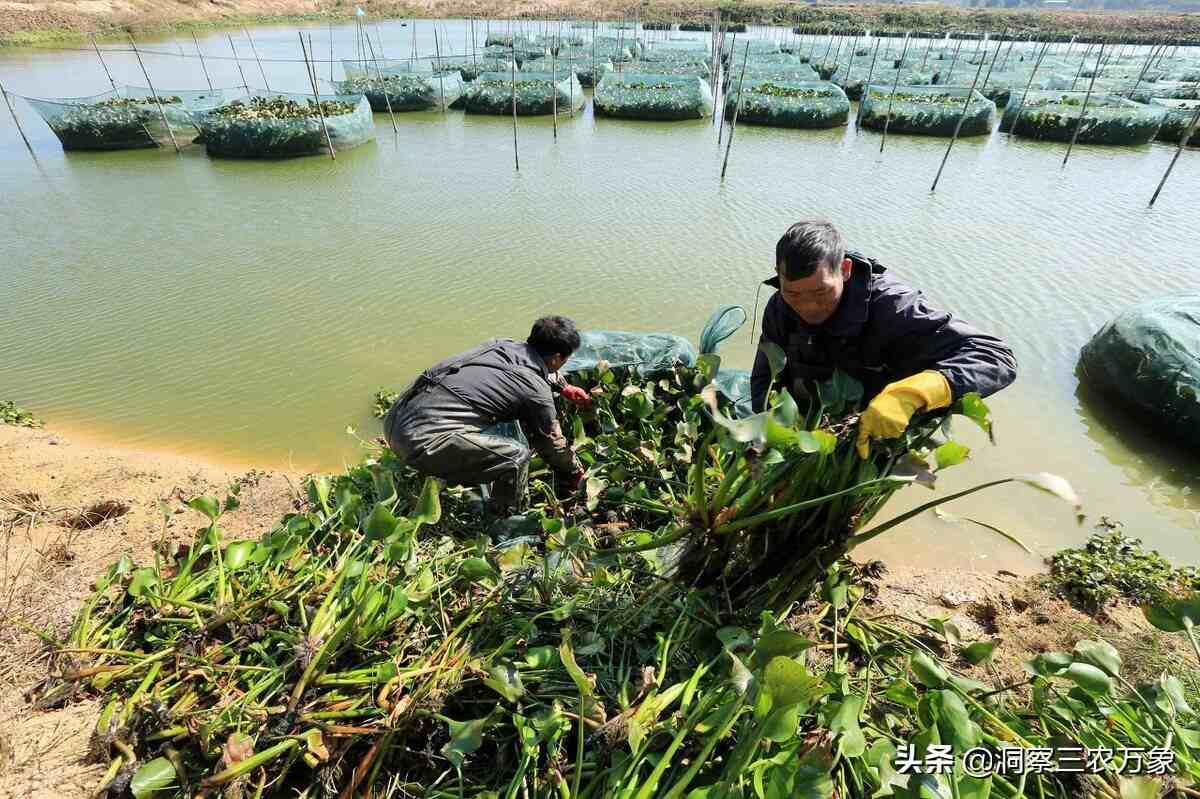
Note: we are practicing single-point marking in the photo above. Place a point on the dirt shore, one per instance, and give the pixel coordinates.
(53, 548)
(32, 22)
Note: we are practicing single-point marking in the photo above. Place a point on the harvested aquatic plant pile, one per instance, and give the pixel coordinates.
(383, 641)
(282, 108)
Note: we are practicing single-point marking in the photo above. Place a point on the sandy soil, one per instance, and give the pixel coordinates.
(49, 557)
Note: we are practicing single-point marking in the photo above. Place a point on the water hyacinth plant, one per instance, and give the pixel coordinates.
(285, 125)
(382, 641)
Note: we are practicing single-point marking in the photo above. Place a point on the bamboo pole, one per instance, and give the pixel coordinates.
(736, 107)
(331, 50)
(1021, 105)
(20, 130)
(382, 85)
(892, 98)
(437, 51)
(254, 50)
(107, 74)
(202, 64)
(962, 116)
(1083, 109)
(866, 88)
(312, 78)
(516, 156)
(1082, 61)
(1142, 74)
(1183, 140)
(953, 61)
(245, 85)
(474, 47)
(158, 102)
(554, 91)
(725, 89)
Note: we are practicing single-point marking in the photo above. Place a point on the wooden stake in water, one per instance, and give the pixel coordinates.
(963, 115)
(1083, 110)
(311, 71)
(892, 98)
(474, 64)
(254, 50)
(554, 90)
(202, 65)
(437, 51)
(382, 84)
(245, 85)
(1183, 140)
(107, 74)
(516, 156)
(331, 50)
(736, 107)
(1142, 74)
(953, 61)
(158, 102)
(1021, 105)
(13, 111)
(862, 96)
(725, 89)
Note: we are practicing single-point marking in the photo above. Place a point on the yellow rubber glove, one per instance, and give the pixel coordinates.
(889, 413)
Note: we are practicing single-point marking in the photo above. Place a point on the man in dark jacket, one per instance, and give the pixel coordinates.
(840, 310)
(437, 425)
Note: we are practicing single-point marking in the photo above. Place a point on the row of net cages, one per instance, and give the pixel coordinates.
(128, 117)
(927, 111)
(655, 97)
(1098, 118)
(789, 104)
(524, 93)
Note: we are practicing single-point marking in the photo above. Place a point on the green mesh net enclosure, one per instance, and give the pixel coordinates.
(653, 97)
(1054, 115)
(386, 66)
(927, 111)
(692, 68)
(471, 68)
(281, 125)
(615, 48)
(1179, 114)
(523, 55)
(790, 104)
(412, 92)
(735, 50)
(588, 71)
(676, 48)
(786, 72)
(853, 79)
(128, 118)
(492, 93)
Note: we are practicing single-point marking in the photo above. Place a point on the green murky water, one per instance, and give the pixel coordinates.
(246, 311)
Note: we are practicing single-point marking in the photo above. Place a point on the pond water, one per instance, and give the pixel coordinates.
(246, 310)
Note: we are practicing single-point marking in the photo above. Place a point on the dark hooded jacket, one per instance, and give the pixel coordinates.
(882, 331)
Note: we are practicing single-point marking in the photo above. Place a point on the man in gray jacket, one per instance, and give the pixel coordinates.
(437, 425)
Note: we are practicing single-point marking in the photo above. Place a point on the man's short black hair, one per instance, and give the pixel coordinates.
(807, 245)
(554, 335)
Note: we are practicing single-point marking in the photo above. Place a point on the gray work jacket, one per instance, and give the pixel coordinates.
(499, 381)
(882, 331)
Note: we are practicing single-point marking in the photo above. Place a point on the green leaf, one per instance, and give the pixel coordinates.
(782, 723)
(789, 683)
(1173, 689)
(206, 505)
(972, 406)
(505, 680)
(238, 554)
(142, 581)
(741, 677)
(902, 693)
(152, 777)
(1163, 617)
(541, 657)
(586, 683)
(975, 787)
(955, 726)
(776, 357)
(979, 651)
(1089, 678)
(781, 642)
(950, 454)
(380, 524)
(845, 721)
(707, 364)
(734, 638)
(1048, 664)
(1101, 654)
(478, 570)
(928, 672)
(465, 738)
(840, 392)
(429, 508)
(812, 779)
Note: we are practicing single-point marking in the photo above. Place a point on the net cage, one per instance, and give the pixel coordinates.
(853, 79)
(653, 97)
(1179, 116)
(281, 125)
(790, 104)
(128, 117)
(371, 68)
(411, 92)
(1107, 119)
(927, 111)
(588, 71)
(787, 72)
(493, 92)
(522, 55)
(733, 52)
(471, 67)
(687, 68)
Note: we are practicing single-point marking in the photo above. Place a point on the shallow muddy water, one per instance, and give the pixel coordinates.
(246, 310)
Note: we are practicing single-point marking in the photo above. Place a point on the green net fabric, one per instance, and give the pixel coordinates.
(790, 104)
(653, 97)
(929, 111)
(588, 70)
(412, 92)
(279, 125)
(1178, 117)
(492, 93)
